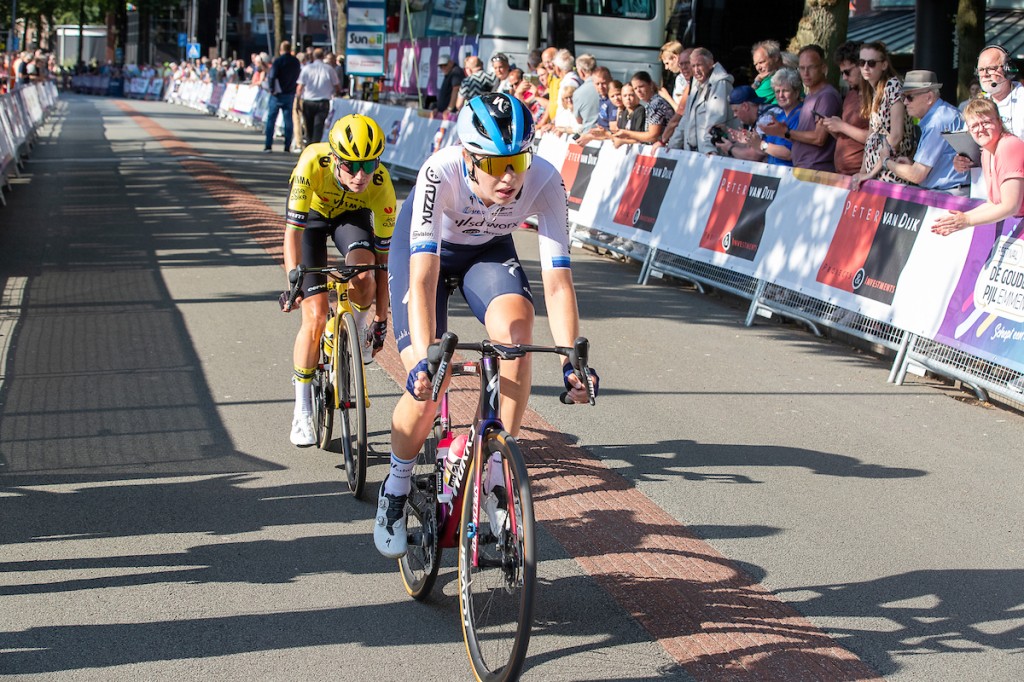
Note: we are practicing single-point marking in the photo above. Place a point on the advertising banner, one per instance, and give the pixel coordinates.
(645, 190)
(737, 219)
(365, 38)
(577, 169)
(985, 315)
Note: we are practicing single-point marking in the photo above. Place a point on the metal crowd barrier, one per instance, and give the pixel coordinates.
(21, 113)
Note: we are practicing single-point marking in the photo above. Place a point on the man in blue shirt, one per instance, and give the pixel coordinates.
(282, 81)
(932, 166)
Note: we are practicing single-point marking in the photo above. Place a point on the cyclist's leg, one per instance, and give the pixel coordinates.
(307, 340)
(352, 236)
(411, 420)
(498, 293)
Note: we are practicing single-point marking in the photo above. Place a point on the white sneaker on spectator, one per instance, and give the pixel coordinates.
(302, 430)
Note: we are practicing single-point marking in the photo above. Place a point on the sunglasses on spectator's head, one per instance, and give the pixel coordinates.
(870, 63)
(498, 165)
(353, 167)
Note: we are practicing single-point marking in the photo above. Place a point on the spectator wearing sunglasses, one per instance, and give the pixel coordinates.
(851, 128)
(932, 165)
(891, 133)
(338, 189)
(458, 225)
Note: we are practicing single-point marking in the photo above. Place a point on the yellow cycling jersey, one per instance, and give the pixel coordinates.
(314, 187)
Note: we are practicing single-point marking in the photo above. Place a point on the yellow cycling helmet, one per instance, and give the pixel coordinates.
(356, 138)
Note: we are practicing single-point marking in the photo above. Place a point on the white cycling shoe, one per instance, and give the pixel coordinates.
(302, 431)
(389, 527)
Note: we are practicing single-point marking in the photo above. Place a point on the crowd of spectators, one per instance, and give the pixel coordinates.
(882, 125)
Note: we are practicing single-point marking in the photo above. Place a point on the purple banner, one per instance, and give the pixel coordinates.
(409, 61)
(985, 316)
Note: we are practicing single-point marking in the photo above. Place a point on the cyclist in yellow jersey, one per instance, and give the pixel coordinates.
(338, 189)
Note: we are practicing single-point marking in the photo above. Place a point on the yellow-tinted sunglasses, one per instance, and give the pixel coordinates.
(499, 165)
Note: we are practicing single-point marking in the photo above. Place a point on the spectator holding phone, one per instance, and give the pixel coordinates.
(812, 146)
(779, 148)
(851, 128)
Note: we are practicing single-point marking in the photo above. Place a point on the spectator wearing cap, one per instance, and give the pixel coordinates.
(932, 166)
(851, 128)
(747, 107)
(813, 147)
(501, 67)
(448, 93)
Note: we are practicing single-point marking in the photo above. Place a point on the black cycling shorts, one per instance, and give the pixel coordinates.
(350, 230)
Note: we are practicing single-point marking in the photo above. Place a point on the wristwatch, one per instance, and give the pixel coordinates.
(764, 146)
(786, 135)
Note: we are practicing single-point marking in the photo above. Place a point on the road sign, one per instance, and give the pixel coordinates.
(182, 40)
(193, 51)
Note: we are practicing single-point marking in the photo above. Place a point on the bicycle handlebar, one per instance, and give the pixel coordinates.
(439, 357)
(344, 273)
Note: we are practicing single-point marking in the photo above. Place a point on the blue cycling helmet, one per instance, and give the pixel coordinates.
(495, 124)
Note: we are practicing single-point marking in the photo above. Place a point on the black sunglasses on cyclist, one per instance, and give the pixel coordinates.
(353, 167)
(870, 63)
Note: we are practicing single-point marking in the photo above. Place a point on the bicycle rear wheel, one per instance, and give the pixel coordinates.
(421, 562)
(351, 391)
(496, 595)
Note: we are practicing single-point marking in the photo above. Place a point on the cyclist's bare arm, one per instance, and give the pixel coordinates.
(564, 319)
(424, 269)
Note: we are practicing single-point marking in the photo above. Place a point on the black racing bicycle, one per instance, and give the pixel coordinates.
(492, 528)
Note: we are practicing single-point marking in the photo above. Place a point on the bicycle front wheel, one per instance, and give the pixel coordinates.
(497, 565)
(351, 400)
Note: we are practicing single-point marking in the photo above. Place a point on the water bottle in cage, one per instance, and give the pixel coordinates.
(455, 464)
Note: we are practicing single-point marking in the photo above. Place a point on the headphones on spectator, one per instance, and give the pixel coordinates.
(1010, 69)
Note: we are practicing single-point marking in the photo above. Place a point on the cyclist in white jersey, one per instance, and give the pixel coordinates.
(458, 224)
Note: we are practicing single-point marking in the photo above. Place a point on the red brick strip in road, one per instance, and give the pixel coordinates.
(708, 614)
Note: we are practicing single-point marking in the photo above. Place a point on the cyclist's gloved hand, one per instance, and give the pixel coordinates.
(573, 384)
(283, 300)
(414, 377)
(378, 334)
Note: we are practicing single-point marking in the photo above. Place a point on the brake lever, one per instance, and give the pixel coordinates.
(439, 357)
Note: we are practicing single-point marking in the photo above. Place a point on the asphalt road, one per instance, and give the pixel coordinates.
(156, 523)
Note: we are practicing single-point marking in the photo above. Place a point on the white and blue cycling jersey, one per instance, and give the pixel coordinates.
(474, 242)
(444, 208)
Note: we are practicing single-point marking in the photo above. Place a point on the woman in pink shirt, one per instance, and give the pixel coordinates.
(1002, 163)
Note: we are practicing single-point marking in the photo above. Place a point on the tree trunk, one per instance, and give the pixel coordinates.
(341, 25)
(279, 25)
(970, 35)
(824, 24)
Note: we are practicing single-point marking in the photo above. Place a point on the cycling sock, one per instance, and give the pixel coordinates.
(303, 390)
(495, 473)
(399, 480)
(360, 314)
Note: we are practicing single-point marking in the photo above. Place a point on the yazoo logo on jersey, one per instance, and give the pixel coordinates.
(429, 196)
